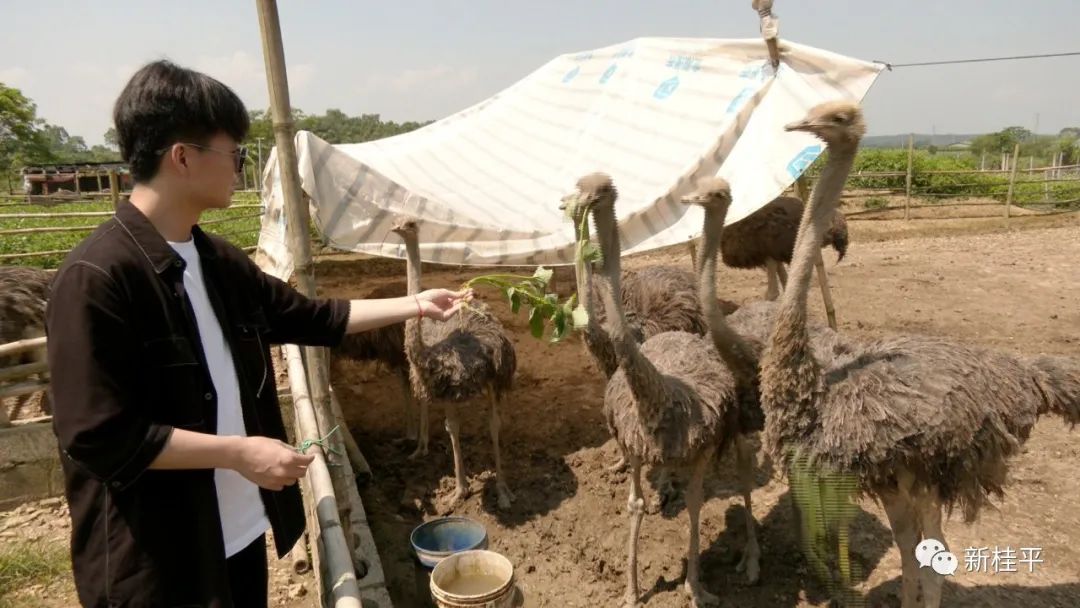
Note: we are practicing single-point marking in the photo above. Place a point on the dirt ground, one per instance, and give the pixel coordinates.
(46, 524)
(1011, 285)
(1015, 287)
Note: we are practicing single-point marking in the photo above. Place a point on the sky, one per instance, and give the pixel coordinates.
(421, 60)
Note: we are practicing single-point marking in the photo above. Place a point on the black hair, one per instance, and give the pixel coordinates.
(164, 103)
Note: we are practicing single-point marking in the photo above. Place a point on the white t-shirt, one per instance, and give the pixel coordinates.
(243, 517)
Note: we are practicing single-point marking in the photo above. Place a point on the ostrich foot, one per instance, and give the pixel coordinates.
(421, 450)
(750, 564)
(505, 495)
(631, 602)
(618, 467)
(453, 501)
(699, 597)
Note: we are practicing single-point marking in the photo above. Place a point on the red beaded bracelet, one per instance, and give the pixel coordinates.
(419, 310)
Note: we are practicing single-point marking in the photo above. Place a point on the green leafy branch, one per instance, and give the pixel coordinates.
(544, 308)
(531, 291)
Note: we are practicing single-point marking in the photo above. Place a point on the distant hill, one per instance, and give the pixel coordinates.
(922, 140)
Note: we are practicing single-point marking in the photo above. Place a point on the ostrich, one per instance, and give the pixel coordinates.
(671, 401)
(766, 239)
(454, 362)
(387, 346)
(23, 294)
(922, 423)
(655, 299)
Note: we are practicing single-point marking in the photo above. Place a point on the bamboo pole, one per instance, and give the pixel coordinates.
(907, 187)
(360, 466)
(34, 216)
(21, 371)
(343, 586)
(46, 230)
(21, 346)
(35, 254)
(1012, 182)
(298, 556)
(23, 388)
(298, 220)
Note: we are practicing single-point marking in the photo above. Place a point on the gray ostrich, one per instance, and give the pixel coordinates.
(23, 295)
(766, 239)
(922, 423)
(655, 299)
(385, 345)
(455, 362)
(671, 402)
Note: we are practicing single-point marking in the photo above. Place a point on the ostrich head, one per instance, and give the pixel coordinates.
(834, 122)
(405, 226)
(712, 192)
(592, 190)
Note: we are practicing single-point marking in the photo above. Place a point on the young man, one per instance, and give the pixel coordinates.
(165, 407)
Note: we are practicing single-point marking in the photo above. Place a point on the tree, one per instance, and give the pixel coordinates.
(20, 133)
(111, 139)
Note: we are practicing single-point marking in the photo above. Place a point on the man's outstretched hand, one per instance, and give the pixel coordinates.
(442, 304)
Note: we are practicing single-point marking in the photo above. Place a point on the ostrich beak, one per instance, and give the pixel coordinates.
(571, 202)
(798, 125)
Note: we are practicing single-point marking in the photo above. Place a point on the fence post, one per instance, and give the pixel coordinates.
(114, 188)
(982, 162)
(907, 187)
(78, 189)
(1046, 183)
(1012, 181)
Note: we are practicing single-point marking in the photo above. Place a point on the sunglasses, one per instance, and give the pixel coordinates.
(240, 154)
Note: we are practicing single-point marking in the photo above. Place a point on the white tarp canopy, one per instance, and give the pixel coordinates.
(654, 113)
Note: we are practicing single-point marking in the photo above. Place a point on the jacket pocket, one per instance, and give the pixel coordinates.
(176, 376)
(252, 352)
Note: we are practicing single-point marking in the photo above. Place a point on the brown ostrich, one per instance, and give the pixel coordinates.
(671, 401)
(454, 362)
(385, 345)
(922, 423)
(23, 294)
(766, 239)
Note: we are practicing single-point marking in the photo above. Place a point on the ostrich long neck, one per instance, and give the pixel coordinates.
(735, 352)
(598, 342)
(414, 340)
(645, 381)
(793, 375)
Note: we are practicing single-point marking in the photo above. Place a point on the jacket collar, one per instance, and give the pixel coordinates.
(154, 246)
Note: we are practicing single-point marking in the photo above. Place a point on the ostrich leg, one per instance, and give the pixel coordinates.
(826, 291)
(903, 519)
(619, 466)
(772, 273)
(453, 428)
(694, 498)
(636, 507)
(411, 423)
(422, 440)
(505, 495)
(744, 458)
(929, 507)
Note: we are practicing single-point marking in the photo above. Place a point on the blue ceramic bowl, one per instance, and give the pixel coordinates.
(434, 540)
